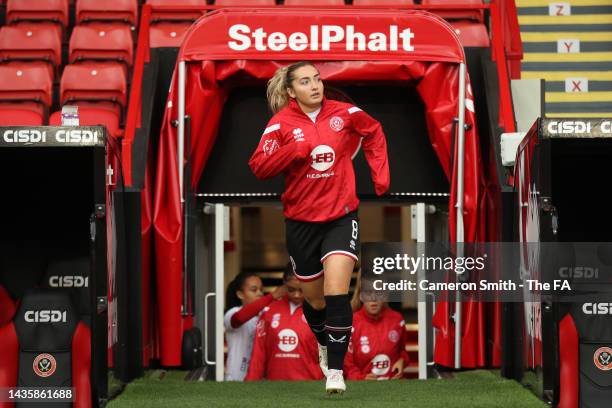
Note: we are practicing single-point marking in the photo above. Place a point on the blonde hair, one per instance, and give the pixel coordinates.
(277, 94)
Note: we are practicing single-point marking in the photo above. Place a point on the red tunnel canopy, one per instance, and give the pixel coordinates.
(225, 48)
(290, 34)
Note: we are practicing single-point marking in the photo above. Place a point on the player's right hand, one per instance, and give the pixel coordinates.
(279, 292)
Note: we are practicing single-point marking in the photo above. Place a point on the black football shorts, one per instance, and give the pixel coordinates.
(309, 243)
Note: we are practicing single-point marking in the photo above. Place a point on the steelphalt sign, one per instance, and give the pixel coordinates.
(576, 128)
(491, 271)
(52, 136)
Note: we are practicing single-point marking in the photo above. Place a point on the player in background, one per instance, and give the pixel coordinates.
(312, 140)
(378, 345)
(285, 348)
(245, 301)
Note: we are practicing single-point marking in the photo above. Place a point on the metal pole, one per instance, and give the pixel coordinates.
(219, 286)
(459, 206)
(180, 162)
(422, 302)
(181, 127)
(206, 330)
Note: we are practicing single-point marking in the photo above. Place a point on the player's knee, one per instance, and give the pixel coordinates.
(337, 286)
(317, 303)
(340, 289)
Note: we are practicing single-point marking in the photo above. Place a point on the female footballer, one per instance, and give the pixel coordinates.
(284, 348)
(378, 345)
(312, 139)
(245, 301)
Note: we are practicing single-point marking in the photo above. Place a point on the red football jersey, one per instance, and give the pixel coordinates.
(375, 345)
(284, 347)
(316, 158)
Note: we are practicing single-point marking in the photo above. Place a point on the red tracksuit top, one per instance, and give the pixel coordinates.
(316, 158)
(284, 347)
(375, 345)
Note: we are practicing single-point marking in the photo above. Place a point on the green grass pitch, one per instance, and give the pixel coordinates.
(473, 389)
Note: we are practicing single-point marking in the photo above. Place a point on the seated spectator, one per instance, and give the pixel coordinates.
(377, 348)
(285, 348)
(245, 301)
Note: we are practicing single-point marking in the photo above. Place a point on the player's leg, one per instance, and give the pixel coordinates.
(315, 313)
(304, 246)
(314, 308)
(340, 248)
(339, 318)
(338, 270)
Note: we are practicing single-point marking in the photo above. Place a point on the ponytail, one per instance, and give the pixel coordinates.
(231, 297)
(288, 273)
(277, 94)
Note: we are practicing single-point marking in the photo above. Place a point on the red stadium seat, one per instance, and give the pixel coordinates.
(107, 10)
(25, 114)
(184, 15)
(383, 3)
(31, 42)
(477, 15)
(312, 3)
(94, 82)
(27, 82)
(37, 10)
(167, 34)
(102, 43)
(89, 116)
(246, 3)
(471, 34)
(25, 93)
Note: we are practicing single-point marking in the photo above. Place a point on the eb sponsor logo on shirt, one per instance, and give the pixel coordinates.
(287, 340)
(381, 364)
(323, 157)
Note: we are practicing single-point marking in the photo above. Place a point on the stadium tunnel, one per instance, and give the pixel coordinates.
(227, 180)
(556, 344)
(53, 257)
(226, 110)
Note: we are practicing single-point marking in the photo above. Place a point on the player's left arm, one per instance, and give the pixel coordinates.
(374, 147)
